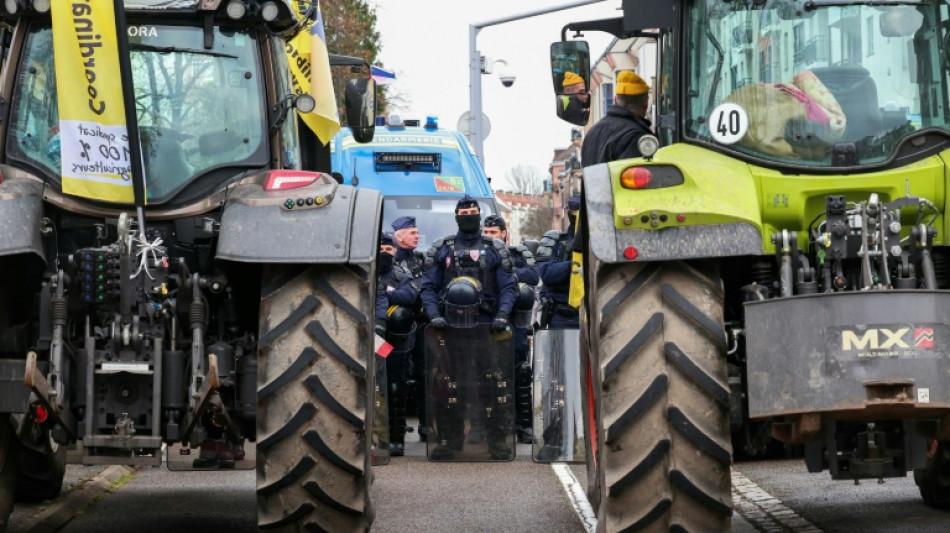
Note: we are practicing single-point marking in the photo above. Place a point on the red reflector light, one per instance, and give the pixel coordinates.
(630, 253)
(281, 180)
(680, 217)
(41, 414)
(636, 178)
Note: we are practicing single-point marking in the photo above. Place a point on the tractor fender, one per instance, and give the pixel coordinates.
(21, 212)
(340, 225)
(608, 243)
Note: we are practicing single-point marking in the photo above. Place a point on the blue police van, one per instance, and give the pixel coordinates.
(420, 170)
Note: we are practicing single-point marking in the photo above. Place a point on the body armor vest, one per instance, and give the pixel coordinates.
(472, 262)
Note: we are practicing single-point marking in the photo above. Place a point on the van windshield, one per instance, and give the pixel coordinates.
(800, 83)
(435, 217)
(197, 109)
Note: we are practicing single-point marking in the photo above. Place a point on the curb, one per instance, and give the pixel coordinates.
(65, 509)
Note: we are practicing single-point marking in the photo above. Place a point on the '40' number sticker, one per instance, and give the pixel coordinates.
(728, 123)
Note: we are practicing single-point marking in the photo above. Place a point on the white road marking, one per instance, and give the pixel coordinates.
(576, 495)
(764, 511)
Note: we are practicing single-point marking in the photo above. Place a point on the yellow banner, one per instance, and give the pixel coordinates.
(310, 74)
(93, 134)
(575, 295)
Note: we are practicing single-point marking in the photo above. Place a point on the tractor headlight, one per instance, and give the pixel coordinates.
(236, 9)
(648, 145)
(270, 11)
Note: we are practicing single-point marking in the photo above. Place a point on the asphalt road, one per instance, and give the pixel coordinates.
(412, 494)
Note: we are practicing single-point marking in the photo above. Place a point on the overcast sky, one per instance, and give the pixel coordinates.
(426, 43)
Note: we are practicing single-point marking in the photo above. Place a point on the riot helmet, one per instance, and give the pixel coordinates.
(462, 297)
(400, 328)
(524, 304)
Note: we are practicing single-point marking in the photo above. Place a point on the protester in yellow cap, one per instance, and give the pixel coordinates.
(573, 100)
(616, 135)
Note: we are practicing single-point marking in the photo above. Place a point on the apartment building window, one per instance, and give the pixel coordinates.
(607, 91)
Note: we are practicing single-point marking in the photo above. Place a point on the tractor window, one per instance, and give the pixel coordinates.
(818, 86)
(197, 109)
(289, 140)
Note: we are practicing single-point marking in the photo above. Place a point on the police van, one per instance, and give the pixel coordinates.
(421, 171)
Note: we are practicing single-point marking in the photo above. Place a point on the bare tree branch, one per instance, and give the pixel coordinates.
(525, 179)
(537, 223)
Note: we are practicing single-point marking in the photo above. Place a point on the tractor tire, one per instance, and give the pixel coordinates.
(934, 479)
(660, 399)
(315, 397)
(8, 469)
(42, 467)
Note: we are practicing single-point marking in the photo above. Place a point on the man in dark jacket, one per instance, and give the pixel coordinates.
(482, 268)
(526, 272)
(409, 262)
(396, 297)
(616, 135)
(554, 264)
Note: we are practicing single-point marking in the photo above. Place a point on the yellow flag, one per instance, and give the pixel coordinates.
(93, 136)
(310, 73)
(575, 295)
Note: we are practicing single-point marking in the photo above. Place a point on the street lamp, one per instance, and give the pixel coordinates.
(476, 65)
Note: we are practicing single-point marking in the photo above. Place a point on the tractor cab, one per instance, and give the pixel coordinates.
(800, 86)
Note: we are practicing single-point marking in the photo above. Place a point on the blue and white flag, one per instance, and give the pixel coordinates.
(382, 76)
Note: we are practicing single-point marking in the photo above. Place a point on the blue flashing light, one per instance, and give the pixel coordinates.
(432, 122)
(380, 120)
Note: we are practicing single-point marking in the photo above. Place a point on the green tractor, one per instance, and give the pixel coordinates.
(775, 265)
(227, 325)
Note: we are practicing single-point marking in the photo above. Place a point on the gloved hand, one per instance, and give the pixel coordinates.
(438, 322)
(501, 322)
(380, 328)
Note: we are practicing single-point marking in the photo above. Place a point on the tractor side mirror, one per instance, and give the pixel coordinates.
(359, 96)
(570, 67)
(574, 108)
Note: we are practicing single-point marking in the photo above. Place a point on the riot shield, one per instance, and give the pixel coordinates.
(470, 394)
(380, 450)
(558, 415)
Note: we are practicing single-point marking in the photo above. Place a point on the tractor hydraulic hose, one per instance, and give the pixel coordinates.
(59, 315)
(196, 316)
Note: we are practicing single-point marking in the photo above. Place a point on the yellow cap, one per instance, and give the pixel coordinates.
(571, 79)
(629, 83)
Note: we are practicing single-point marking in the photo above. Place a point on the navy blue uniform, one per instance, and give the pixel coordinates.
(554, 265)
(394, 289)
(498, 282)
(526, 270)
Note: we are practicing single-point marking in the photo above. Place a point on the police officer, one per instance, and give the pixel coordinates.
(468, 252)
(554, 265)
(464, 260)
(526, 272)
(396, 297)
(409, 263)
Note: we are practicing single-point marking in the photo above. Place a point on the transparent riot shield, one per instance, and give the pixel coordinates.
(558, 415)
(470, 394)
(380, 450)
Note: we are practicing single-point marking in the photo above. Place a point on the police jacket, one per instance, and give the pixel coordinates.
(614, 137)
(495, 271)
(554, 264)
(409, 262)
(394, 288)
(525, 267)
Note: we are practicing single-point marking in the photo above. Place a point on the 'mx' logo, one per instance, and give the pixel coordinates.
(875, 339)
